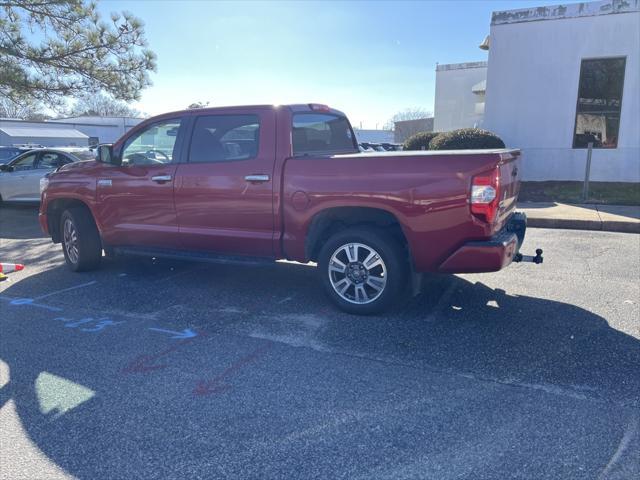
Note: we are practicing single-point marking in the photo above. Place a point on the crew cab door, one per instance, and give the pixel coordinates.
(135, 199)
(224, 189)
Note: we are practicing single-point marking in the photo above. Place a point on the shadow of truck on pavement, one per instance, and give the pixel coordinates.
(478, 384)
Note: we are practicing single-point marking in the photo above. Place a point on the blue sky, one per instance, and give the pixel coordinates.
(370, 59)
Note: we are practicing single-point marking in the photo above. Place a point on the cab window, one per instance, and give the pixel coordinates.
(315, 133)
(154, 145)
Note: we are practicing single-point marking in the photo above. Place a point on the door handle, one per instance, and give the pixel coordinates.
(257, 178)
(161, 178)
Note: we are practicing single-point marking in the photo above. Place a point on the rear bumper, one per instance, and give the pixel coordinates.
(489, 255)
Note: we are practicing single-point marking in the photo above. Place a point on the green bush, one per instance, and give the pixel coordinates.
(419, 141)
(466, 139)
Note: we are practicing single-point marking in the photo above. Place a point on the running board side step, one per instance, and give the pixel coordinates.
(194, 256)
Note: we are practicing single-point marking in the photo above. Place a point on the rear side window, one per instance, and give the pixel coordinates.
(315, 133)
(224, 138)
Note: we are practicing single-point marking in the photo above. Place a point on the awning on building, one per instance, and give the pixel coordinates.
(42, 132)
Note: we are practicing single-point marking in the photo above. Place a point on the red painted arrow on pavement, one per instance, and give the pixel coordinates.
(147, 363)
(216, 385)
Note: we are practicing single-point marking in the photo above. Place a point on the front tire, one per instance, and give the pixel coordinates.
(80, 240)
(363, 270)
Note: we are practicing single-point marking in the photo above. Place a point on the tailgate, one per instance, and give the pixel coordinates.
(509, 185)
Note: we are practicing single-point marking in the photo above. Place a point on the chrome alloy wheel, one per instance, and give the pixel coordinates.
(357, 273)
(70, 236)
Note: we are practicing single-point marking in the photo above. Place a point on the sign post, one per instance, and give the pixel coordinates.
(587, 172)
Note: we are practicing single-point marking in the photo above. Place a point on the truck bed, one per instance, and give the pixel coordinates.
(428, 192)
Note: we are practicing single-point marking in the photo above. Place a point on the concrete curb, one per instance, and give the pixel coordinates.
(579, 224)
(603, 218)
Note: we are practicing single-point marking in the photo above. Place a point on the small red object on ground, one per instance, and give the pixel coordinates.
(10, 267)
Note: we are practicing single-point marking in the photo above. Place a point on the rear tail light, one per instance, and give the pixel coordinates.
(485, 195)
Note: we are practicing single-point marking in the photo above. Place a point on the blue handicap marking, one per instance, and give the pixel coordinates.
(101, 325)
(31, 301)
(77, 323)
(21, 301)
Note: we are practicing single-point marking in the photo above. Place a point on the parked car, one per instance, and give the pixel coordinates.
(288, 182)
(20, 178)
(365, 147)
(9, 153)
(392, 147)
(372, 147)
(378, 147)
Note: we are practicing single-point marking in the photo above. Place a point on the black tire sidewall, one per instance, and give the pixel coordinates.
(393, 255)
(89, 245)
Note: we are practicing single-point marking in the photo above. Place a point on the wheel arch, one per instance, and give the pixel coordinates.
(54, 214)
(331, 220)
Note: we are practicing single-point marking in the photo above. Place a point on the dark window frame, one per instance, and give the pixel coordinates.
(356, 149)
(194, 121)
(577, 112)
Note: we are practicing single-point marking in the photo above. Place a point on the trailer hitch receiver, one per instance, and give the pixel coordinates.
(537, 259)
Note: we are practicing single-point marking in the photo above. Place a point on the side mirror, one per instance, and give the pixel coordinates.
(6, 168)
(105, 154)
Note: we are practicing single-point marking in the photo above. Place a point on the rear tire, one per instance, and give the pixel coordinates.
(363, 269)
(81, 243)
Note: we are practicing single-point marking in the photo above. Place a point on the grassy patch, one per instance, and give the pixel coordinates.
(607, 193)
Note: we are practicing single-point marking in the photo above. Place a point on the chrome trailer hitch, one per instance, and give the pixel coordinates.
(537, 259)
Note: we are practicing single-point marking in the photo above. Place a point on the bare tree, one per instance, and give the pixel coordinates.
(23, 110)
(50, 49)
(198, 105)
(102, 105)
(415, 113)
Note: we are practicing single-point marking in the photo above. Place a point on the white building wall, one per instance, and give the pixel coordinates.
(455, 104)
(107, 129)
(44, 141)
(49, 141)
(532, 87)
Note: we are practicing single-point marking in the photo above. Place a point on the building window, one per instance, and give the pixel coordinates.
(599, 103)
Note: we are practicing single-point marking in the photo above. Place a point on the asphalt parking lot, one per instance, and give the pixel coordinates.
(159, 369)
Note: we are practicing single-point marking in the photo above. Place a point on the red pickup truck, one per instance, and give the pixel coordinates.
(288, 182)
